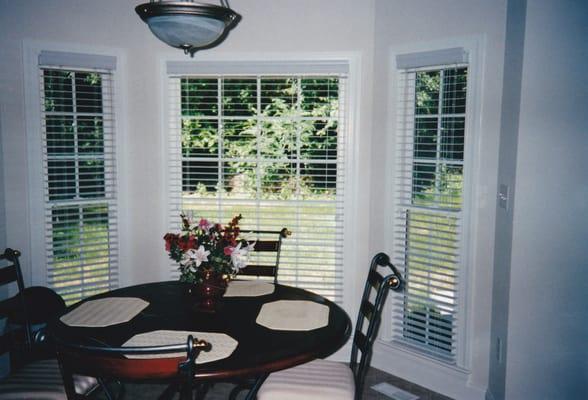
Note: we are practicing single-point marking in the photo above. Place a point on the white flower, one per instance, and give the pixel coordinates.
(195, 256)
(239, 257)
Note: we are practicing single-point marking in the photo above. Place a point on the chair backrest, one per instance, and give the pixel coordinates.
(266, 242)
(16, 305)
(374, 296)
(111, 362)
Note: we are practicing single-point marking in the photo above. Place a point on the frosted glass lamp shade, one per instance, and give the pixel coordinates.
(184, 31)
(187, 25)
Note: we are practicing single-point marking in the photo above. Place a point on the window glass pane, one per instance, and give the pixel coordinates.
(58, 93)
(278, 180)
(199, 138)
(452, 138)
(61, 179)
(59, 135)
(81, 253)
(318, 139)
(278, 139)
(425, 138)
(450, 186)
(454, 91)
(66, 230)
(199, 96)
(239, 97)
(88, 92)
(279, 96)
(431, 260)
(200, 176)
(427, 87)
(240, 138)
(239, 179)
(423, 184)
(319, 179)
(320, 97)
(91, 178)
(90, 135)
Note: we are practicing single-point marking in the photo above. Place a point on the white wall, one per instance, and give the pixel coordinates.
(269, 29)
(403, 26)
(548, 315)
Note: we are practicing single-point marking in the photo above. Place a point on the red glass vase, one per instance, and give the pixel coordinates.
(210, 289)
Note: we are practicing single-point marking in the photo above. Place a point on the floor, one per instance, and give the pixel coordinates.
(220, 391)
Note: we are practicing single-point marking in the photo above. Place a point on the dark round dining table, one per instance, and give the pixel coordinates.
(260, 350)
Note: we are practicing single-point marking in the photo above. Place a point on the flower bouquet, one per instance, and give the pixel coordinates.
(206, 249)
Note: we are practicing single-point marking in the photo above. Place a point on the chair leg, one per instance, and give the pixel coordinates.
(201, 390)
(186, 391)
(236, 390)
(68, 382)
(169, 392)
(252, 395)
(108, 393)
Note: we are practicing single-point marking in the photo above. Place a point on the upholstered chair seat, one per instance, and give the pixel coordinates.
(41, 380)
(318, 379)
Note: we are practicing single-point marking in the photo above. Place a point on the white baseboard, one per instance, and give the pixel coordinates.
(446, 380)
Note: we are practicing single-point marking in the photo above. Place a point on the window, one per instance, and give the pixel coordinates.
(79, 174)
(430, 210)
(269, 145)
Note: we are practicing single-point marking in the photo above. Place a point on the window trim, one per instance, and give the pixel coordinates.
(34, 271)
(392, 350)
(354, 254)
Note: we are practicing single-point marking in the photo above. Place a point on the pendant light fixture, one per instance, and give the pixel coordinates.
(188, 25)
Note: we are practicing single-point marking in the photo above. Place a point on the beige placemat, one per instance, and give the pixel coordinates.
(249, 289)
(222, 345)
(105, 312)
(293, 315)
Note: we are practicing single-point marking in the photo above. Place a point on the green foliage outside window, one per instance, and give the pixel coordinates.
(278, 140)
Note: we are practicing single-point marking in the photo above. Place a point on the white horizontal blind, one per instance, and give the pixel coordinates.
(429, 211)
(80, 223)
(270, 147)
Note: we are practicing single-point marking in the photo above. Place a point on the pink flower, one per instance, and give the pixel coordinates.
(204, 225)
(228, 250)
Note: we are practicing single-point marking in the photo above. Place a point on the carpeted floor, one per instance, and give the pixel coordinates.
(220, 391)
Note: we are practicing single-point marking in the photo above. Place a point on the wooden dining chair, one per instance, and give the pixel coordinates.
(269, 246)
(31, 377)
(321, 379)
(108, 363)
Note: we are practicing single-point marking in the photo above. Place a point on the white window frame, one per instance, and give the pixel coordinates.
(36, 272)
(352, 245)
(397, 358)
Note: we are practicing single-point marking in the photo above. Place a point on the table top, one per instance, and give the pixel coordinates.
(172, 307)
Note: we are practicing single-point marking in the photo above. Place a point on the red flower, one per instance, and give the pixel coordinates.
(169, 238)
(187, 243)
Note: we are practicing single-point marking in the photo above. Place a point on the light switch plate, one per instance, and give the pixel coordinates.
(503, 196)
